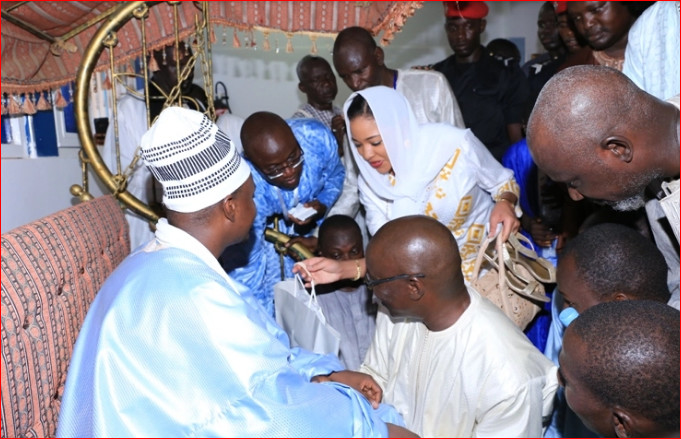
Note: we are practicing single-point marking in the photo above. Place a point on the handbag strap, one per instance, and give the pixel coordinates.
(497, 260)
(299, 281)
(515, 240)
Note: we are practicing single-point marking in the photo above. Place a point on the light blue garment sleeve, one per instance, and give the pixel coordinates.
(172, 350)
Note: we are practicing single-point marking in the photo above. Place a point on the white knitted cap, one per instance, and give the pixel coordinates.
(194, 161)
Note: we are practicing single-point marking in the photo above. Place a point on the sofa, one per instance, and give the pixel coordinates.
(52, 269)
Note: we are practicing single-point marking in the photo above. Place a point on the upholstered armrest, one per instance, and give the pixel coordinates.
(51, 271)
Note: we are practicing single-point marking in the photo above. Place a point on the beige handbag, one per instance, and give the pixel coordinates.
(511, 282)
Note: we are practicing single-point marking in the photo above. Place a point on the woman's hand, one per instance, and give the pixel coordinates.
(325, 270)
(504, 213)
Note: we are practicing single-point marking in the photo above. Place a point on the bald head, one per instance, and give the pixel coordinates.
(269, 143)
(259, 128)
(581, 105)
(593, 129)
(354, 36)
(417, 244)
(358, 61)
(627, 355)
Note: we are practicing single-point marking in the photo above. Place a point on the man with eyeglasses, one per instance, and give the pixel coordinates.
(295, 165)
(448, 360)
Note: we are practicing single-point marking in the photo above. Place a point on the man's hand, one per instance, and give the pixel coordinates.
(314, 204)
(310, 242)
(338, 130)
(540, 233)
(359, 381)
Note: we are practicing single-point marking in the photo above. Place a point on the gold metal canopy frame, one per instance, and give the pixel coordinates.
(106, 39)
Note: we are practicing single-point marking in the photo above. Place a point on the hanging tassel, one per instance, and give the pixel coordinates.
(153, 65)
(224, 35)
(235, 39)
(289, 42)
(164, 62)
(60, 102)
(106, 84)
(276, 45)
(70, 92)
(27, 107)
(130, 69)
(313, 49)
(254, 44)
(4, 106)
(266, 41)
(43, 103)
(13, 105)
(212, 36)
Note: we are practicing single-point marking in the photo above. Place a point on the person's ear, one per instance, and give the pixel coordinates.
(228, 206)
(302, 88)
(483, 25)
(622, 422)
(380, 56)
(416, 290)
(618, 147)
(618, 297)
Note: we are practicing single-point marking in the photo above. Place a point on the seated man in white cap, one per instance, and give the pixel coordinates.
(172, 347)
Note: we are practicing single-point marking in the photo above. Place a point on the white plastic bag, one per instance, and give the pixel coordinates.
(299, 314)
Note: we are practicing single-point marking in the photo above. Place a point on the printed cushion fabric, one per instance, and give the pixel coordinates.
(51, 271)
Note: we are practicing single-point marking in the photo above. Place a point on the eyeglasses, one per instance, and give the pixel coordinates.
(371, 283)
(290, 163)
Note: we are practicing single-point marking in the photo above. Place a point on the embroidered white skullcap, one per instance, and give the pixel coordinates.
(194, 161)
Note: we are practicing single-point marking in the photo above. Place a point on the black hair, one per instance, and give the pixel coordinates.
(612, 258)
(631, 357)
(335, 223)
(359, 107)
(637, 8)
(308, 59)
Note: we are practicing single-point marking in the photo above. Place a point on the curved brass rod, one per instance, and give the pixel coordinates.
(87, 67)
(298, 251)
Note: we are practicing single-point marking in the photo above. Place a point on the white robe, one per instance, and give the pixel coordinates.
(481, 377)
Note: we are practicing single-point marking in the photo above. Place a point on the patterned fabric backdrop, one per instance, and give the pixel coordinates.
(49, 56)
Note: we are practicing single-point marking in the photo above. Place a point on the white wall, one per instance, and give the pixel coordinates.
(257, 80)
(33, 188)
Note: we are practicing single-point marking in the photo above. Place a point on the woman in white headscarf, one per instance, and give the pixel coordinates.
(436, 170)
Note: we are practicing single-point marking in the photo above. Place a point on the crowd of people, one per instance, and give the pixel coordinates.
(394, 192)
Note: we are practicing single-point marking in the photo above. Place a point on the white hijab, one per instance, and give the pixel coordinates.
(417, 152)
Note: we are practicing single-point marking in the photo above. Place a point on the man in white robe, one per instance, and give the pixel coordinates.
(621, 148)
(448, 359)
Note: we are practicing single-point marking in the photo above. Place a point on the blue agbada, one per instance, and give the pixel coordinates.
(255, 263)
(518, 159)
(171, 347)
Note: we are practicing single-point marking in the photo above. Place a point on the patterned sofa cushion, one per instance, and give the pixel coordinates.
(51, 271)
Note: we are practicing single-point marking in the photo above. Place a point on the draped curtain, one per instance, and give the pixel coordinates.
(49, 56)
